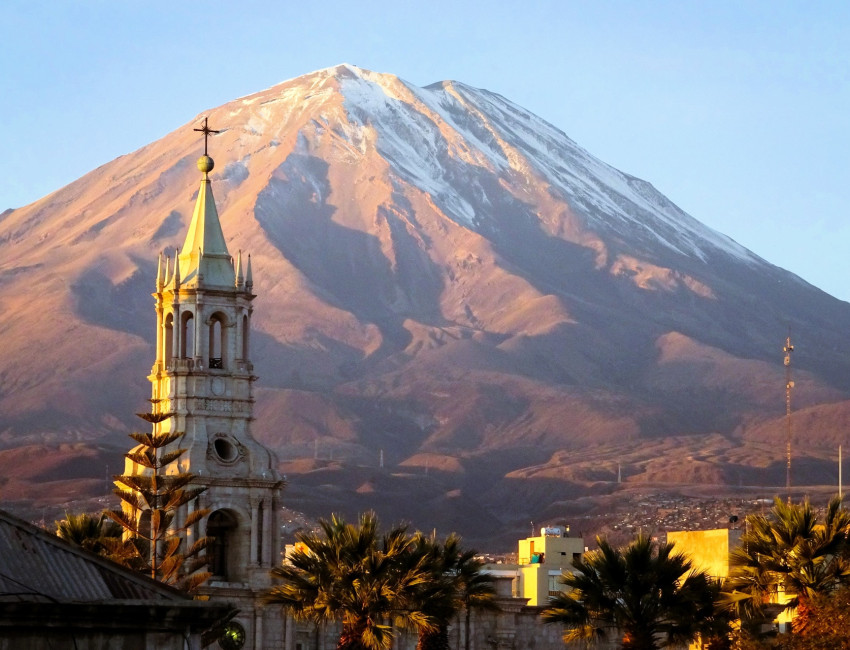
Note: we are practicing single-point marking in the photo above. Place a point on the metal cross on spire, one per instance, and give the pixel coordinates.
(206, 130)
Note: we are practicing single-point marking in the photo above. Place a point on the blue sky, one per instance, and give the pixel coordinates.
(737, 111)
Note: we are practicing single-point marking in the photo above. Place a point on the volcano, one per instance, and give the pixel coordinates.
(463, 318)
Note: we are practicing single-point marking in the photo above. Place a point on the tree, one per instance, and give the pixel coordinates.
(476, 589)
(457, 584)
(646, 593)
(789, 554)
(151, 500)
(88, 531)
(352, 574)
(828, 626)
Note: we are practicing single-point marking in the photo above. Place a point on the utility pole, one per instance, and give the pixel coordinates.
(788, 349)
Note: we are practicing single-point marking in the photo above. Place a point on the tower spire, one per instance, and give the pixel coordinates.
(240, 279)
(159, 283)
(204, 251)
(176, 277)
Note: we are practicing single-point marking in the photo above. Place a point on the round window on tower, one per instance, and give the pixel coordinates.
(225, 450)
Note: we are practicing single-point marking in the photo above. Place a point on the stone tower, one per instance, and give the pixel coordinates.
(204, 375)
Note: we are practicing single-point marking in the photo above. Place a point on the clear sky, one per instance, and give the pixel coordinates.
(737, 111)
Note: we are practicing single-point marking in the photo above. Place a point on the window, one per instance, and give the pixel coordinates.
(168, 339)
(187, 335)
(221, 526)
(225, 450)
(260, 515)
(245, 338)
(217, 341)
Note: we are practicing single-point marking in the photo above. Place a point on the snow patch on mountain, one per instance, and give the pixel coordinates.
(407, 139)
(596, 186)
(415, 127)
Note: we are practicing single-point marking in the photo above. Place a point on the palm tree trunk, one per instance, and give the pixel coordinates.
(351, 638)
(435, 640)
(466, 628)
(639, 640)
(803, 616)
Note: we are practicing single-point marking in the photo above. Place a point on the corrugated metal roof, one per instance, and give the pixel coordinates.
(38, 566)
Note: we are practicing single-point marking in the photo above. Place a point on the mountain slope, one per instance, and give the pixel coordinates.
(440, 275)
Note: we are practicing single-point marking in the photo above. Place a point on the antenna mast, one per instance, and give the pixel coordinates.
(788, 349)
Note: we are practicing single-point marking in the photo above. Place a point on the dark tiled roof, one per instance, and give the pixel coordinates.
(37, 566)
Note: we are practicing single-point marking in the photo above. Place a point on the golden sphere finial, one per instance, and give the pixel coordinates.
(206, 164)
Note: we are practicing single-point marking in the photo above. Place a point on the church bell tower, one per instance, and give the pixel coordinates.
(203, 374)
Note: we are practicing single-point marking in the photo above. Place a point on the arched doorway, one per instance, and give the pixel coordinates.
(221, 553)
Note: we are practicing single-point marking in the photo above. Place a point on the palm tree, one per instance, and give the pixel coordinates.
(789, 553)
(87, 531)
(475, 588)
(352, 574)
(457, 584)
(637, 592)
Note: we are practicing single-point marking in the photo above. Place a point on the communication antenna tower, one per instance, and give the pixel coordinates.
(788, 349)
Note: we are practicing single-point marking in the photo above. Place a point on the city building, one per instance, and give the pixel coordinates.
(709, 550)
(541, 561)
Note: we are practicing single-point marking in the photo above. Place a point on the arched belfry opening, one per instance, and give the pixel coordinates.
(245, 338)
(168, 345)
(223, 552)
(187, 335)
(218, 341)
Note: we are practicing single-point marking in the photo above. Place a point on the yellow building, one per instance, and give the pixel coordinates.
(708, 550)
(541, 561)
